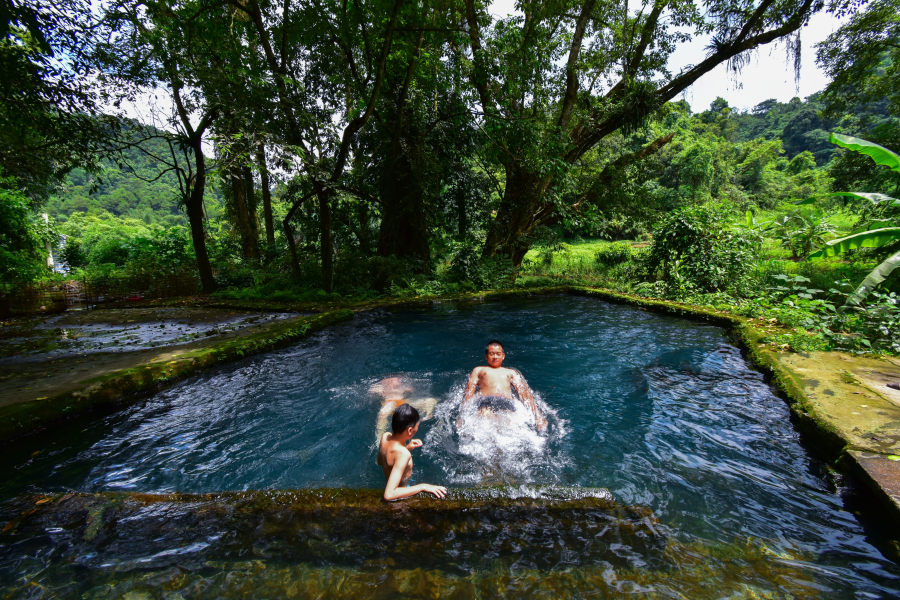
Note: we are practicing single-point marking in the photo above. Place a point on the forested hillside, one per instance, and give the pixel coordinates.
(136, 185)
(135, 189)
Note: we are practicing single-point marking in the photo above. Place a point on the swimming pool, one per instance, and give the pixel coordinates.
(661, 411)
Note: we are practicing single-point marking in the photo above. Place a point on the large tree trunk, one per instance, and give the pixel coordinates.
(252, 213)
(523, 207)
(515, 219)
(404, 227)
(194, 207)
(266, 195)
(249, 241)
(326, 240)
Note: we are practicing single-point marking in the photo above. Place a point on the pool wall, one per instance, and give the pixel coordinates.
(820, 410)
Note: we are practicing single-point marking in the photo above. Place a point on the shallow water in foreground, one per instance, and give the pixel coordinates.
(662, 411)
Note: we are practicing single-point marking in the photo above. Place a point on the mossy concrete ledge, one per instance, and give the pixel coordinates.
(117, 387)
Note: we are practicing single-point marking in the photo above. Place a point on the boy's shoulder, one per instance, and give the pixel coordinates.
(390, 445)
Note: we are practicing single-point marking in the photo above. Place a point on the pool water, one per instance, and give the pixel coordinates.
(662, 411)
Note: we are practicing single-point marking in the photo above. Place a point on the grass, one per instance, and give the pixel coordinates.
(576, 263)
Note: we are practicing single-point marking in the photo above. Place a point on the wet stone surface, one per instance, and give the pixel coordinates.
(330, 543)
(117, 330)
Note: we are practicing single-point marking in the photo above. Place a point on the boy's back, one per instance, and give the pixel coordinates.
(389, 452)
(396, 461)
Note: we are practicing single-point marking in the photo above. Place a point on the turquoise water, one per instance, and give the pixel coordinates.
(663, 412)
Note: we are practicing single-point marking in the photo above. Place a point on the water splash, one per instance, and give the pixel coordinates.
(502, 449)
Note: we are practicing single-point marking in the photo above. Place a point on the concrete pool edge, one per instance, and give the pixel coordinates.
(121, 386)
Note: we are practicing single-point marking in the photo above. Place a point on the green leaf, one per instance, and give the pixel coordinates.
(867, 239)
(878, 274)
(749, 221)
(874, 224)
(873, 197)
(880, 154)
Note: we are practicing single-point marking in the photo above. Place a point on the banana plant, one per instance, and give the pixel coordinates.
(754, 228)
(884, 232)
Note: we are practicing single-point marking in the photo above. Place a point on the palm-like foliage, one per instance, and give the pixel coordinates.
(866, 236)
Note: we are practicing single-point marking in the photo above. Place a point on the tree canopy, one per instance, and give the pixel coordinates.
(317, 130)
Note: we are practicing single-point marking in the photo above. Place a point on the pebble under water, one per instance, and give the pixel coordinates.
(713, 494)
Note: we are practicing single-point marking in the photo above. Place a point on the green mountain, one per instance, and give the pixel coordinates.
(137, 188)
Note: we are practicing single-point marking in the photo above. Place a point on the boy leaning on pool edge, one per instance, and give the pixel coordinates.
(396, 461)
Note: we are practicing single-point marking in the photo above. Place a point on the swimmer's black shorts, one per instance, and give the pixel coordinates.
(496, 403)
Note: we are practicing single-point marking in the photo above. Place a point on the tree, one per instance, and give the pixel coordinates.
(863, 60)
(541, 118)
(178, 46)
(49, 121)
(325, 64)
(862, 57)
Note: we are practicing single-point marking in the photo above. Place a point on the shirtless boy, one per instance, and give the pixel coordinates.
(495, 383)
(394, 392)
(396, 461)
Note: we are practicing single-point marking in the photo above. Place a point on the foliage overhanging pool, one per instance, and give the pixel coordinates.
(662, 411)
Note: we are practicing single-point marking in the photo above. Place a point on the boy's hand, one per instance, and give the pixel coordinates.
(414, 444)
(436, 491)
(541, 423)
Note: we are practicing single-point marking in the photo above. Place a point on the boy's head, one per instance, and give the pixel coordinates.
(405, 416)
(494, 353)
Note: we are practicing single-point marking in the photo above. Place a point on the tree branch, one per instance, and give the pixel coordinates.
(568, 102)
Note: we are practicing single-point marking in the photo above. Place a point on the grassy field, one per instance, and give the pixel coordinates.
(577, 260)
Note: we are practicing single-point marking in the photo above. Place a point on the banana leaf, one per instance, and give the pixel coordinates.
(879, 274)
(874, 224)
(873, 197)
(867, 239)
(880, 154)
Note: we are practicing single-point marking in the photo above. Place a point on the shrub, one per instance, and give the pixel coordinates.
(357, 275)
(614, 254)
(694, 249)
(465, 264)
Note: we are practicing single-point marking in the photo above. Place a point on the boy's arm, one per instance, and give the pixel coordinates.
(471, 385)
(467, 397)
(524, 392)
(392, 492)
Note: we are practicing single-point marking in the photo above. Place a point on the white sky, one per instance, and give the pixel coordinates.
(767, 76)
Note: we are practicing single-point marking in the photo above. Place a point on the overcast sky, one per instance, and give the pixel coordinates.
(769, 75)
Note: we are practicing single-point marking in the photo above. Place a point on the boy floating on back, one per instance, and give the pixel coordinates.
(396, 461)
(394, 391)
(495, 383)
